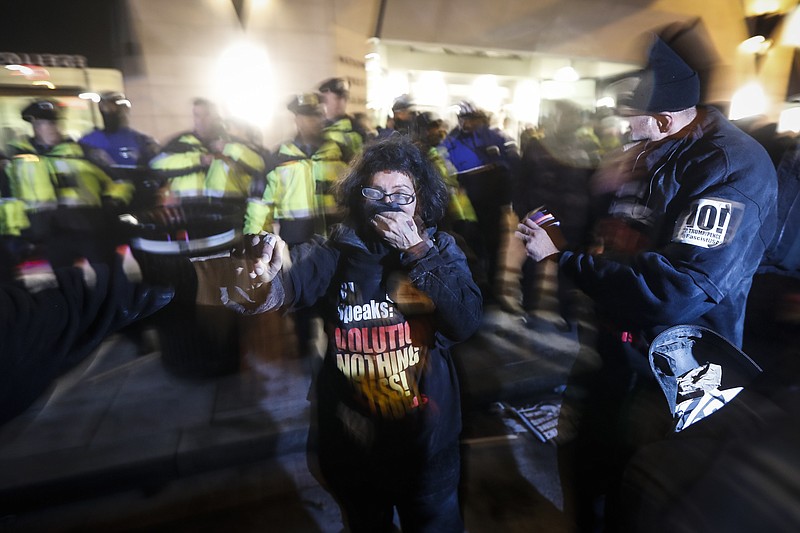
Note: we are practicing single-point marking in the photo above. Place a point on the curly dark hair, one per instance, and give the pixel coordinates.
(399, 154)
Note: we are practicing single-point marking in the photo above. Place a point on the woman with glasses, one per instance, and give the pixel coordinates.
(396, 295)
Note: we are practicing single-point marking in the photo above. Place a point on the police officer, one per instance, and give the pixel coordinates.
(484, 159)
(403, 118)
(13, 221)
(122, 152)
(117, 144)
(64, 193)
(206, 162)
(298, 194)
(429, 133)
(334, 93)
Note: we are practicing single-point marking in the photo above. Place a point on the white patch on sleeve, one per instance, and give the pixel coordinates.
(706, 223)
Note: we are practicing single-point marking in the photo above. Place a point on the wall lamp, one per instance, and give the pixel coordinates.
(761, 28)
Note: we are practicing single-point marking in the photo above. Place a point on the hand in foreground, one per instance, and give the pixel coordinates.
(398, 229)
(538, 242)
(242, 278)
(262, 259)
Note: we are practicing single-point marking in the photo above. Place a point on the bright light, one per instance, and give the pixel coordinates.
(394, 85)
(486, 93)
(94, 97)
(789, 120)
(244, 84)
(762, 7)
(557, 90)
(791, 30)
(606, 101)
(375, 89)
(47, 84)
(372, 62)
(526, 102)
(430, 89)
(748, 101)
(22, 69)
(755, 45)
(398, 82)
(382, 90)
(566, 74)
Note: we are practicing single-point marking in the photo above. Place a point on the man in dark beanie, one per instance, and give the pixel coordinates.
(691, 207)
(667, 84)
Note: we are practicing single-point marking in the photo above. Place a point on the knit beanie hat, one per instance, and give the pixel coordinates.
(667, 83)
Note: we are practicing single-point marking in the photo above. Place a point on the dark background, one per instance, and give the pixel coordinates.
(96, 29)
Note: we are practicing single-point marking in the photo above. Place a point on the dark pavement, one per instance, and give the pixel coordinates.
(122, 444)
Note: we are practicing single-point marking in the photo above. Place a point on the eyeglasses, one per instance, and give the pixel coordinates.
(397, 197)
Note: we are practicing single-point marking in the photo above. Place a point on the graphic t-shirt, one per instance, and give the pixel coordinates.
(388, 383)
(379, 352)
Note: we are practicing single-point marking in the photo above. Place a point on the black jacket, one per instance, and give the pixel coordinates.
(388, 384)
(708, 202)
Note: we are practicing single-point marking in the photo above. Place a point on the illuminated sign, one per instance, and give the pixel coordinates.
(43, 60)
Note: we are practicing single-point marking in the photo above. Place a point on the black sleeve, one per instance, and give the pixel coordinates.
(313, 265)
(442, 273)
(43, 334)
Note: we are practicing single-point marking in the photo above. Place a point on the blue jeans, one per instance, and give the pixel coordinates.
(424, 491)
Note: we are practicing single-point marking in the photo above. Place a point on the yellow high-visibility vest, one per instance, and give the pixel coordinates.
(342, 133)
(228, 176)
(61, 176)
(299, 187)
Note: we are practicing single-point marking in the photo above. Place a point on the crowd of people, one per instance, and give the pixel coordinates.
(116, 169)
(395, 237)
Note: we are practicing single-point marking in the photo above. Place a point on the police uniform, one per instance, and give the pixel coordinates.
(299, 191)
(406, 125)
(124, 146)
(341, 129)
(122, 152)
(459, 209)
(228, 176)
(483, 158)
(63, 192)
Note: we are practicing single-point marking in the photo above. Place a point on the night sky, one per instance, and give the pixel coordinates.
(82, 27)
